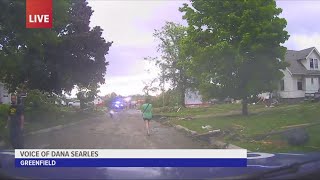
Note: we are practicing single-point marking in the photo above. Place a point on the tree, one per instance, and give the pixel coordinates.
(109, 98)
(149, 87)
(235, 47)
(16, 41)
(84, 48)
(52, 60)
(171, 62)
(17, 44)
(87, 94)
(168, 98)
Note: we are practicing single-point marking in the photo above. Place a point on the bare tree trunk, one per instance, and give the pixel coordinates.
(82, 105)
(245, 106)
(182, 98)
(162, 98)
(182, 88)
(163, 91)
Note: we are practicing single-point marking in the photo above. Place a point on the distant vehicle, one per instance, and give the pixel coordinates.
(74, 103)
(118, 104)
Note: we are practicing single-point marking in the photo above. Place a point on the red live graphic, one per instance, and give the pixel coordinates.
(39, 13)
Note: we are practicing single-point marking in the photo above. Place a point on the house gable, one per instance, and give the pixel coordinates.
(315, 57)
(300, 61)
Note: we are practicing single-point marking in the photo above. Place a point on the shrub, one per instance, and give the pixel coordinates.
(4, 108)
(36, 100)
(297, 137)
(41, 106)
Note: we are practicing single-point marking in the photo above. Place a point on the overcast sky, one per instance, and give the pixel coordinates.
(130, 25)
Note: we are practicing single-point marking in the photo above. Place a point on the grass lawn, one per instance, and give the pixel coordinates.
(213, 110)
(45, 120)
(54, 121)
(261, 120)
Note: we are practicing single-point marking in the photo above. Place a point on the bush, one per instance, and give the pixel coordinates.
(297, 137)
(36, 100)
(41, 106)
(4, 108)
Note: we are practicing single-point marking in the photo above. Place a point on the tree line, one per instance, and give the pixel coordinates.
(71, 54)
(229, 49)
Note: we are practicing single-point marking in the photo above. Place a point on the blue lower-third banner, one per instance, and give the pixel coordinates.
(132, 162)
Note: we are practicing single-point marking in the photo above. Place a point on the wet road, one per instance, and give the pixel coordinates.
(125, 130)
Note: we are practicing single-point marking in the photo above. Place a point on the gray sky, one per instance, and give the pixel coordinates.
(130, 24)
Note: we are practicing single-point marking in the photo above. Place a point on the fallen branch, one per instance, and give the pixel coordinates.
(210, 132)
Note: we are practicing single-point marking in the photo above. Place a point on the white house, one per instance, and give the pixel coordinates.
(98, 101)
(302, 77)
(5, 97)
(192, 98)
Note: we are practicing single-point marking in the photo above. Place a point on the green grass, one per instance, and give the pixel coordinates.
(37, 120)
(213, 110)
(54, 120)
(262, 120)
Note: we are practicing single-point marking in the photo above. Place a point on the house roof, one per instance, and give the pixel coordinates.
(294, 59)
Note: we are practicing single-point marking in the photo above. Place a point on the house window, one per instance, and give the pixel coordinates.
(315, 61)
(282, 85)
(299, 84)
(311, 63)
(311, 80)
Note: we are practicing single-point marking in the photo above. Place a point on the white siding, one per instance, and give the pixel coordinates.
(193, 98)
(97, 101)
(312, 87)
(290, 87)
(306, 62)
(313, 55)
(5, 97)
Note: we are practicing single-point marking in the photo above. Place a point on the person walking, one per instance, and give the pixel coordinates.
(146, 109)
(16, 123)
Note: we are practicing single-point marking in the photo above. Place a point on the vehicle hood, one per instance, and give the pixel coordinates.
(257, 162)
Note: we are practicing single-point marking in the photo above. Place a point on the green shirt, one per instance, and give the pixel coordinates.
(147, 111)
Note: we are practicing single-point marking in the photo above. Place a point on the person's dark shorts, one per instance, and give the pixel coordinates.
(146, 119)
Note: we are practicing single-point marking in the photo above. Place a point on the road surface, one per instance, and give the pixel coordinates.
(125, 130)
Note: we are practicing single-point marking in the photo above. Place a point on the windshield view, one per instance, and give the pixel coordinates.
(127, 77)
